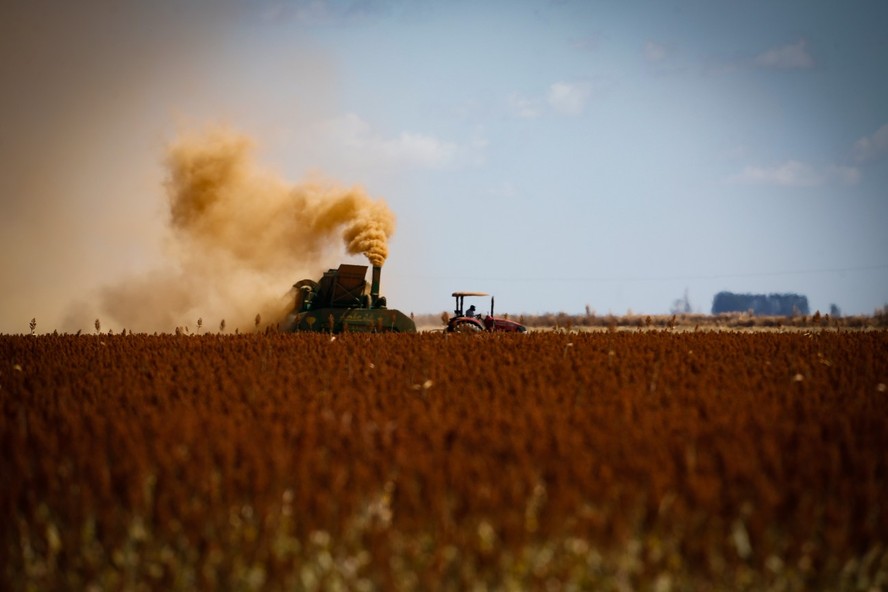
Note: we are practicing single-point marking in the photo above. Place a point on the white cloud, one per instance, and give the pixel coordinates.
(568, 98)
(588, 43)
(311, 12)
(505, 189)
(408, 149)
(787, 57)
(664, 58)
(523, 107)
(873, 147)
(789, 174)
(348, 130)
(846, 174)
(419, 150)
(796, 174)
(561, 98)
(322, 12)
(655, 52)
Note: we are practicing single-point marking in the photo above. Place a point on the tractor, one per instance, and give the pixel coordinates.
(468, 321)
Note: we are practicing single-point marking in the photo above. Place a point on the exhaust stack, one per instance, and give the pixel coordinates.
(374, 285)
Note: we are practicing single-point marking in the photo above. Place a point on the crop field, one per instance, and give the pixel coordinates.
(644, 459)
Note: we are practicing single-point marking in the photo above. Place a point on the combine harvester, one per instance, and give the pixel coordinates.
(340, 302)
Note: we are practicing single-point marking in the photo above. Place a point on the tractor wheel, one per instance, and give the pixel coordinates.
(466, 327)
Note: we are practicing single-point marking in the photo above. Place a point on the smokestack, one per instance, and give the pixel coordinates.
(374, 285)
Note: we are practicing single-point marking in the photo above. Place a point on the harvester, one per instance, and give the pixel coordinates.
(468, 321)
(341, 302)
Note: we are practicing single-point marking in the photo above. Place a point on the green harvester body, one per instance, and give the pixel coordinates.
(342, 301)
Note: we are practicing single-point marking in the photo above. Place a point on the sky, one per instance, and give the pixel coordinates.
(562, 155)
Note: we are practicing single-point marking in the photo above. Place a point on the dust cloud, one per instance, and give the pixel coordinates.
(240, 235)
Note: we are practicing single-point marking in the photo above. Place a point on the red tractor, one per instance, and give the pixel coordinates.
(469, 321)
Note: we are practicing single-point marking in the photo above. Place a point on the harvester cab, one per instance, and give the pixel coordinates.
(466, 321)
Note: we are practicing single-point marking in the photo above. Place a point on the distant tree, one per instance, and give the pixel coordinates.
(834, 311)
(785, 305)
(730, 302)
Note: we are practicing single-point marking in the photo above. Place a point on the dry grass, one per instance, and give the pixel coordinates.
(651, 460)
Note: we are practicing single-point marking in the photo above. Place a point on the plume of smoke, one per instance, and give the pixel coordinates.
(368, 234)
(239, 235)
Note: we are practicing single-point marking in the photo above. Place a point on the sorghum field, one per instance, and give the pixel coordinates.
(647, 459)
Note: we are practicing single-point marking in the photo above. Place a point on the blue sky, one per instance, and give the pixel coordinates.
(559, 154)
